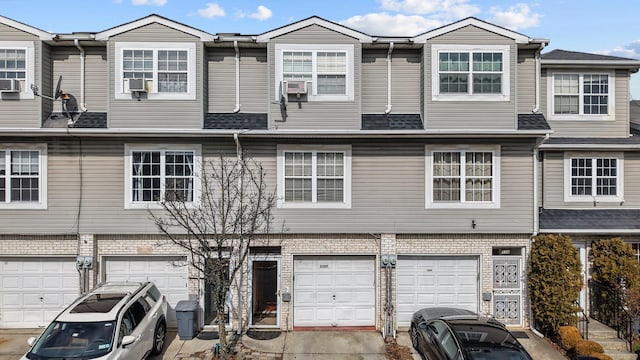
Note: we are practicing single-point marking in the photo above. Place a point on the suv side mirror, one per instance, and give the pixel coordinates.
(31, 340)
(127, 340)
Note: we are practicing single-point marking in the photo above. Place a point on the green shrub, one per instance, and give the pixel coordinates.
(555, 281)
(614, 263)
(568, 337)
(588, 347)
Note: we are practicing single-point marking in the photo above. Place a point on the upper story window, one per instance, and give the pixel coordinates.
(466, 177)
(580, 96)
(327, 70)
(154, 174)
(17, 70)
(163, 70)
(596, 177)
(314, 176)
(470, 73)
(23, 180)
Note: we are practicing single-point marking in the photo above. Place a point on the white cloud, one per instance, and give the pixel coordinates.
(630, 50)
(149, 2)
(263, 13)
(391, 25)
(516, 17)
(444, 9)
(211, 11)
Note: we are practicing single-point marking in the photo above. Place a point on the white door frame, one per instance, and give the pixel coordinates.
(264, 257)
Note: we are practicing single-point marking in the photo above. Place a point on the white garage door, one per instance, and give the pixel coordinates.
(170, 274)
(34, 290)
(334, 291)
(435, 281)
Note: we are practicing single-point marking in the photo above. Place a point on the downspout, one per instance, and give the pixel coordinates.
(76, 42)
(536, 213)
(538, 71)
(237, 108)
(388, 108)
(239, 157)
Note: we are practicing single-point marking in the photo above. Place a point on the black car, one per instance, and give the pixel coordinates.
(455, 334)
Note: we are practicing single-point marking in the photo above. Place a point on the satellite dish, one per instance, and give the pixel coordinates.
(58, 92)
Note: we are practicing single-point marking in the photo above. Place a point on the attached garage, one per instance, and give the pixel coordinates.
(334, 291)
(424, 281)
(34, 290)
(169, 273)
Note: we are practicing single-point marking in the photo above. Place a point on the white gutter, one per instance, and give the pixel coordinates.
(593, 231)
(76, 42)
(388, 108)
(237, 108)
(538, 71)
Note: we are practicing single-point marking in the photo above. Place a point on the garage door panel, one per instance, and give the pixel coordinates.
(435, 281)
(343, 290)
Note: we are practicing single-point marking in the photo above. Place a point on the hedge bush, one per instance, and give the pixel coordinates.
(614, 263)
(568, 337)
(555, 281)
(588, 347)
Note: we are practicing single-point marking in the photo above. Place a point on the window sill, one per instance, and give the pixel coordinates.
(578, 117)
(466, 97)
(307, 205)
(23, 206)
(479, 205)
(592, 199)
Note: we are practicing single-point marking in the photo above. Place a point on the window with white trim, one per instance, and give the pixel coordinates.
(314, 176)
(597, 177)
(326, 69)
(23, 176)
(167, 69)
(155, 174)
(465, 73)
(463, 177)
(17, 63)
(581, 95)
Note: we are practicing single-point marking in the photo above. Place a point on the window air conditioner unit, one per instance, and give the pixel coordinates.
(296, 87)
(138, 85)
(9, 85)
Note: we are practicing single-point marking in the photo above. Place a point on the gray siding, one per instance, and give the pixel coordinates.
(405, 81)
(338, 115)
(387, 192)
(96, 83)
(526, 81)
(156, 113)
(221, 86)
(618, 127)
(46, 85)
(66, 63)
(25, 113)
(470, 114)
(554, 181)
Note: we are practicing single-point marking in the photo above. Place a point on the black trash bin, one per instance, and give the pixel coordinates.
(186, 314)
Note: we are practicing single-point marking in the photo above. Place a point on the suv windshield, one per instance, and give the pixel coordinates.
(74, 340)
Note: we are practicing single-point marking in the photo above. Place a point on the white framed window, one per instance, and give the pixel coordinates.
(17, 62)
(581, 96)
(314, 176)
(162, 172)
(470, 73)
(167, 70)
(462, 176)
(327, 70)
(23, 176)
(594, 177)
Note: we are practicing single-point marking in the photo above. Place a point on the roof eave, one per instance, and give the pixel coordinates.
(519, 38)
(43, 35)
(314, 20)
(202, 35)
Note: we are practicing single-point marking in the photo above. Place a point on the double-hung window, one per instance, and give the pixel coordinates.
(327, 70)
(463, 177)
(23, 176)
(465, 73)
(17, 69)
(580, 96)
(155, 174)
(314, 176)
(163, 70)
(593, 178)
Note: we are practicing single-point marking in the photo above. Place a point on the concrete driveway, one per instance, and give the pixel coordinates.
(13, 342)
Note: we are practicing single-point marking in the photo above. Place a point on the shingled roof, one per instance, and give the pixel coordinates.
(566, 220)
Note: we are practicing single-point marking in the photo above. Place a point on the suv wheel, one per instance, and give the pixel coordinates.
(158, 338)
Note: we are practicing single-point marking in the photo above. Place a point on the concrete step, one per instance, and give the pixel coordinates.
(611, 344)
(621, 355)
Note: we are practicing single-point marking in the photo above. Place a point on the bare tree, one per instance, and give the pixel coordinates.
(218, 229)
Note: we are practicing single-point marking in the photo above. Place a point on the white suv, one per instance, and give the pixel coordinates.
(116, 320)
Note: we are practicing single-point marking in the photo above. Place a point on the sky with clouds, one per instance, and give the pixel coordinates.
(596, 26)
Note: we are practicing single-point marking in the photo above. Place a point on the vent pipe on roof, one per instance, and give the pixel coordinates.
(76, 42)
(235, 46)
(388, 108)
